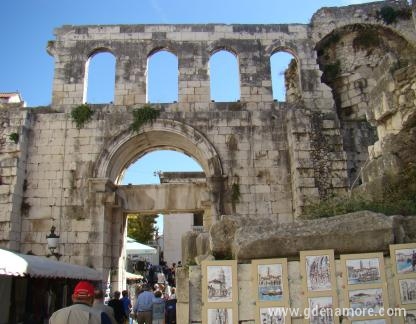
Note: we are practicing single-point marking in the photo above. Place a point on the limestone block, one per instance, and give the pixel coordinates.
(202, 244)
(189, 251)
(351, 233)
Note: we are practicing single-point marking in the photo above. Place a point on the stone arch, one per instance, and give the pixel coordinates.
(167, 134)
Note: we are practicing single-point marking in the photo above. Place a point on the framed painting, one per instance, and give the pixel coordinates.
(318, 271)
(272, 315)
(410, 316)
(270, 281)
(363, 270)
(220, 315)
(321, 310)
(403, 258)
(219, 284)
(366, 302)
(407, 290)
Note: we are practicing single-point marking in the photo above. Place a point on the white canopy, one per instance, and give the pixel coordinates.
(134, 247)
(130, 275)
(16, 264)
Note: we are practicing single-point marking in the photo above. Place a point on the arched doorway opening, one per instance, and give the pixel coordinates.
(126, 148)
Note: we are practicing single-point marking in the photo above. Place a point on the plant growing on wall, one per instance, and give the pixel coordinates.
(81, 115)
(14, 137)
(390, 15)
(235, 193)
(143, 115)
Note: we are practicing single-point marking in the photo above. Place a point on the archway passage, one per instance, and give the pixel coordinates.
(203, 197)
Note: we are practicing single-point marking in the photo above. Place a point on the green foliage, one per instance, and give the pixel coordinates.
(143, 115)
(81, 115)
(235, 193)
(390, 15)
(366, 39)
(14, 137)
(397, 197)
(141, 227)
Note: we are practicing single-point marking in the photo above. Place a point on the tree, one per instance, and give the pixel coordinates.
(141, 227)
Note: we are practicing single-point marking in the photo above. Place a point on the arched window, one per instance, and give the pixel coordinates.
(224, 77)
(162, 77)
(100, 78)
(280, 63)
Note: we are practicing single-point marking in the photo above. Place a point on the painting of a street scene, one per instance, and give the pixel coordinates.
(272, 315)
(318, 272)
(220, 316)
(410, 317)
(365, 300)
(321, 310)
(219, 283)
(407, 291)
(269, 280)
(405, 260)
(363, 271)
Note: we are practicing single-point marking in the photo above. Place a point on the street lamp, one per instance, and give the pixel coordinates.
(53, 241)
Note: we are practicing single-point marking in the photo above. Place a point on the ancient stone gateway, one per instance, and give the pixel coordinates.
(348, 117)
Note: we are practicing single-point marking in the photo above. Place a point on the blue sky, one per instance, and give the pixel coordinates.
(27, 25)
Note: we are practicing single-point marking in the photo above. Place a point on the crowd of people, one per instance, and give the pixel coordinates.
(153, 301)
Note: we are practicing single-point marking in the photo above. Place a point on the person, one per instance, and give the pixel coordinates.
(126, 304)
(99, 304)
(81, 310)
(158, 308)
(118, 308)
(143, 307)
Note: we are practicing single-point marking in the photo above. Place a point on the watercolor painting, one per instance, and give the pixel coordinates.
(272, 315)
(321, 310)
(318, 272)
(269, 282)
(363, 271)
(407, 289)
(220, 316)
(219, 283)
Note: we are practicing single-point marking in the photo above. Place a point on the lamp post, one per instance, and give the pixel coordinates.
(53, 241)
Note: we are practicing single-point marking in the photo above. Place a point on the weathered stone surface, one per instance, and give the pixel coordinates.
(202, 244)
(351, 233)
(189, 246)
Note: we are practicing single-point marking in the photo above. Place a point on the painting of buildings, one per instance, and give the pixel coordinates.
(318, 273)
(269, 280)
(220, 316)
(219, 283)
(407, 291)
(363, 271)
(321, 310)
(272, 315)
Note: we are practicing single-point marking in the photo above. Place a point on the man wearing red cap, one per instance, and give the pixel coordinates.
(81, 311)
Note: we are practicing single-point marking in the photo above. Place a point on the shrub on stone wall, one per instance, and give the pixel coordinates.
(397, 197)
(143, 115)
(81, 115)
(390, 15)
